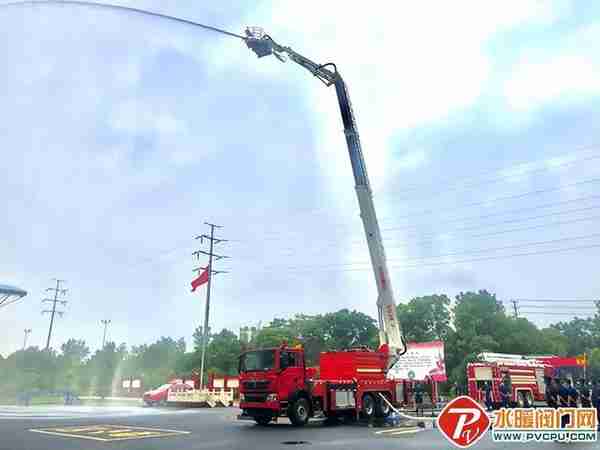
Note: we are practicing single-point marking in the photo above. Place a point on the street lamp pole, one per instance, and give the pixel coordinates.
(27, 331)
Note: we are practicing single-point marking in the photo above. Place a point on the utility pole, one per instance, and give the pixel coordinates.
(27, 331)
(212, 241)
(515, 308)
(57, 291)
(105, 323)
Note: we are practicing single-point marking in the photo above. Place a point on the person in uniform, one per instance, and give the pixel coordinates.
(585, 393)
(504, 393)
(419, 398)
(596, 399)
(563, 398)
(573, 394)
(551, 393)
(489, 402)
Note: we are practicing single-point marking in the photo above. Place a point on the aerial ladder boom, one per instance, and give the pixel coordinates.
(389, 327)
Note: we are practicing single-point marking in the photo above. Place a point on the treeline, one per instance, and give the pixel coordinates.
(474, 323)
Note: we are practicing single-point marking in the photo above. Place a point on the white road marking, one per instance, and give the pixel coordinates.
(53, 433)
(74, 412)
(397, 430)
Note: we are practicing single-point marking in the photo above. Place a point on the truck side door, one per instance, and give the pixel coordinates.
(291, 377)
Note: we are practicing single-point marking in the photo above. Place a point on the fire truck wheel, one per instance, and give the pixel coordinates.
(368, 406)
(382, 409)
(299, 412)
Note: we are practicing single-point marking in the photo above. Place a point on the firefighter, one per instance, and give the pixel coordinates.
(596, 399)
(504, 393)
(573, 394)
(563, 394)
(552, 393)
(419, 398)
(489, 402)
(585, 393)
(563, 398)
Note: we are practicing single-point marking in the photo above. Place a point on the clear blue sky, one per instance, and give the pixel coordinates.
(121, 135)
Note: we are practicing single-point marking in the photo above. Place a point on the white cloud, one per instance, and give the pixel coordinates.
(136, 117)
(564, 77)
(406, 65)
(518, 174)
(412, 160)
(568, 73)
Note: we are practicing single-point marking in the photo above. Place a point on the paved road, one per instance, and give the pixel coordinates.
(206, 429)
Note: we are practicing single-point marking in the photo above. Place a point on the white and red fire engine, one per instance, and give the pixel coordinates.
(527, 377)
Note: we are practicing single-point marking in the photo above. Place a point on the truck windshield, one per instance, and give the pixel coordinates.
(258, 360)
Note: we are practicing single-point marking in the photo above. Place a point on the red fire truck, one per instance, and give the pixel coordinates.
(527, 378)
(276, 381)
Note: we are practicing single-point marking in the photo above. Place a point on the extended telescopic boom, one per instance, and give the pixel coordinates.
(389, 327)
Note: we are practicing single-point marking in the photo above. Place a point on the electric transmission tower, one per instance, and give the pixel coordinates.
(58, 292)
(212, 240)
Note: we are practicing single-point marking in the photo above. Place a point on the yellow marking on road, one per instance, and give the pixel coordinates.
(404, 432)
(106, 433)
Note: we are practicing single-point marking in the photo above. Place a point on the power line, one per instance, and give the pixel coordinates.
(121, 8)
(553, 300)
(452, 181)
(498, 199)
(488, 258)
(57, 292)
(498, 179)
(586, 308)
(461, 219)
(282, 236)
(516, 220)
(543, 313)
(499, 213)
(467, 252)
(477, 235)
(512, 230)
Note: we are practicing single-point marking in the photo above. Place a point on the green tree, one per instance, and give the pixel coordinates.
(198, 337)
(426, 318)
(271, 336)
(223, 352)
(102, 370)
(579, 333)
(346, 329)
(594, 363)
(69, 364)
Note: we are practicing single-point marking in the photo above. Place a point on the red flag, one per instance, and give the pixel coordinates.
(200, 280)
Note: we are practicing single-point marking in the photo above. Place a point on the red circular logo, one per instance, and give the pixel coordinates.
(463, 422)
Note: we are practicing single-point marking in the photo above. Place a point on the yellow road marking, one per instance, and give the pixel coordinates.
(404, 432)
(107, 433)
